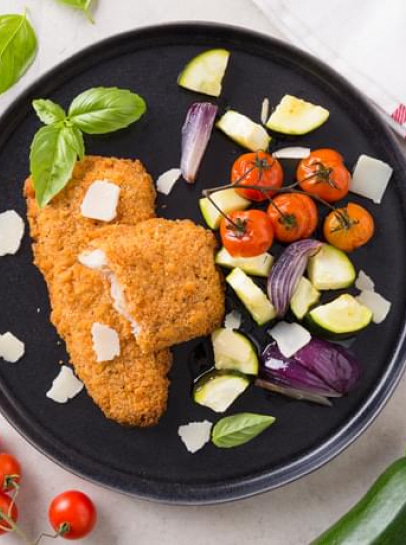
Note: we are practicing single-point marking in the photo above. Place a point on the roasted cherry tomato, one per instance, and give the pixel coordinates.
(10, 472)
(324, 174)
(294, 216)
(7, 509)
(246, 233)
(72, 514)
(257, 169)
(349, 227)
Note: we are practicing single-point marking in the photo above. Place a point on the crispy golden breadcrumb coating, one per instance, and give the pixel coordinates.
(171, 285)
(133, 388)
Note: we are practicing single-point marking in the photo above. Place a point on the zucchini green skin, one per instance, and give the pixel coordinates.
(379, 518)
(324, 333)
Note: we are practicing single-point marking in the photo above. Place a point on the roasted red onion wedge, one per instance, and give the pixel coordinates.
(316, 372)
(196, 132)
(288, 269)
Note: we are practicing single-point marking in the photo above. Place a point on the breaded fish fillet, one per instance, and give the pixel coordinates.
(170, 283)
(131, 389)
(60, 231)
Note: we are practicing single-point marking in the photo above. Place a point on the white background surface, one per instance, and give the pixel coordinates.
(289, 516)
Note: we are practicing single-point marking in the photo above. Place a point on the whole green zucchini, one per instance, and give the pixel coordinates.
(379, 518)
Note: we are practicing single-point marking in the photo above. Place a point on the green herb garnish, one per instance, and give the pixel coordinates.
(57, 146)
(235, 430)
(18, 46)
(82, 5)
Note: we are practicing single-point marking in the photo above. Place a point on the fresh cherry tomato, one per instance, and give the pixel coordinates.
(324, 174)
(72, 514)
(257, 169)
(313, 215)
(294, 216)
(246, 233)
(349, 227)
(10, 472)
(5, 503)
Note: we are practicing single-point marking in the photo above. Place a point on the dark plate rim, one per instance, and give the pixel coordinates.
(249, 486)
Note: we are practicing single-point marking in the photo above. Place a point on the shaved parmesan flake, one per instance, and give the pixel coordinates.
(232, 320)
(290, 337)
(106, 342)
(11, 232)
(273, 363)
(100, 201)
(379, 306)
(291, 153)
(364, 282)
(119, 303)
(195, 435)
(11, 348)
(167, 180)
(370, 178)
(65, 386)
(95, 259)
(265, 111)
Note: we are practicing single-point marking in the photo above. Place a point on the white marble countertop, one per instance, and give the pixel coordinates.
(292, 515)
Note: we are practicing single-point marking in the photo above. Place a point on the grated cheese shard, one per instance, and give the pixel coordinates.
(195, 435)
(379, 306)
(65, 386)
(364, 282)
(106, 342)
(290, 338)
(95, 259)
(11, 232)
(100, 201)
(167, 180)
(11, 348)
(370, 178)
(232, 320)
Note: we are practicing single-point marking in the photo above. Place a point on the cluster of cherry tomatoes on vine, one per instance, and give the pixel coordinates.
(292, 213)
(71, 514)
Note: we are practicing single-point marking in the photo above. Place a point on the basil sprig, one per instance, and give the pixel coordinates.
(57, 146)
(233, 431)
(18, 46)
(82, 5)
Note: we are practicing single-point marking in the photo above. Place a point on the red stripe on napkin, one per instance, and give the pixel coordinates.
(399, 115)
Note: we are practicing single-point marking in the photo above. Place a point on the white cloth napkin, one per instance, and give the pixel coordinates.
(364, 40)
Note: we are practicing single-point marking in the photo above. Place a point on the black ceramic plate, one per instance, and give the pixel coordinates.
(153, 463)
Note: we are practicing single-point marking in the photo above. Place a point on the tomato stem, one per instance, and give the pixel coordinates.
(10, 481)
(323, 173)
(282, 214)
(261, 163)
(226, 216)
(13, 527)
(239, 226)
(344, 219)
(62, 530)
(45, 534)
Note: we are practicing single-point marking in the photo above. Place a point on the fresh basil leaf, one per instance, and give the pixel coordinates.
(52, 159)
(235, 430)
(48, 111)
(74, 138)
(82, 5)
(18, 45)
(105, 109)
